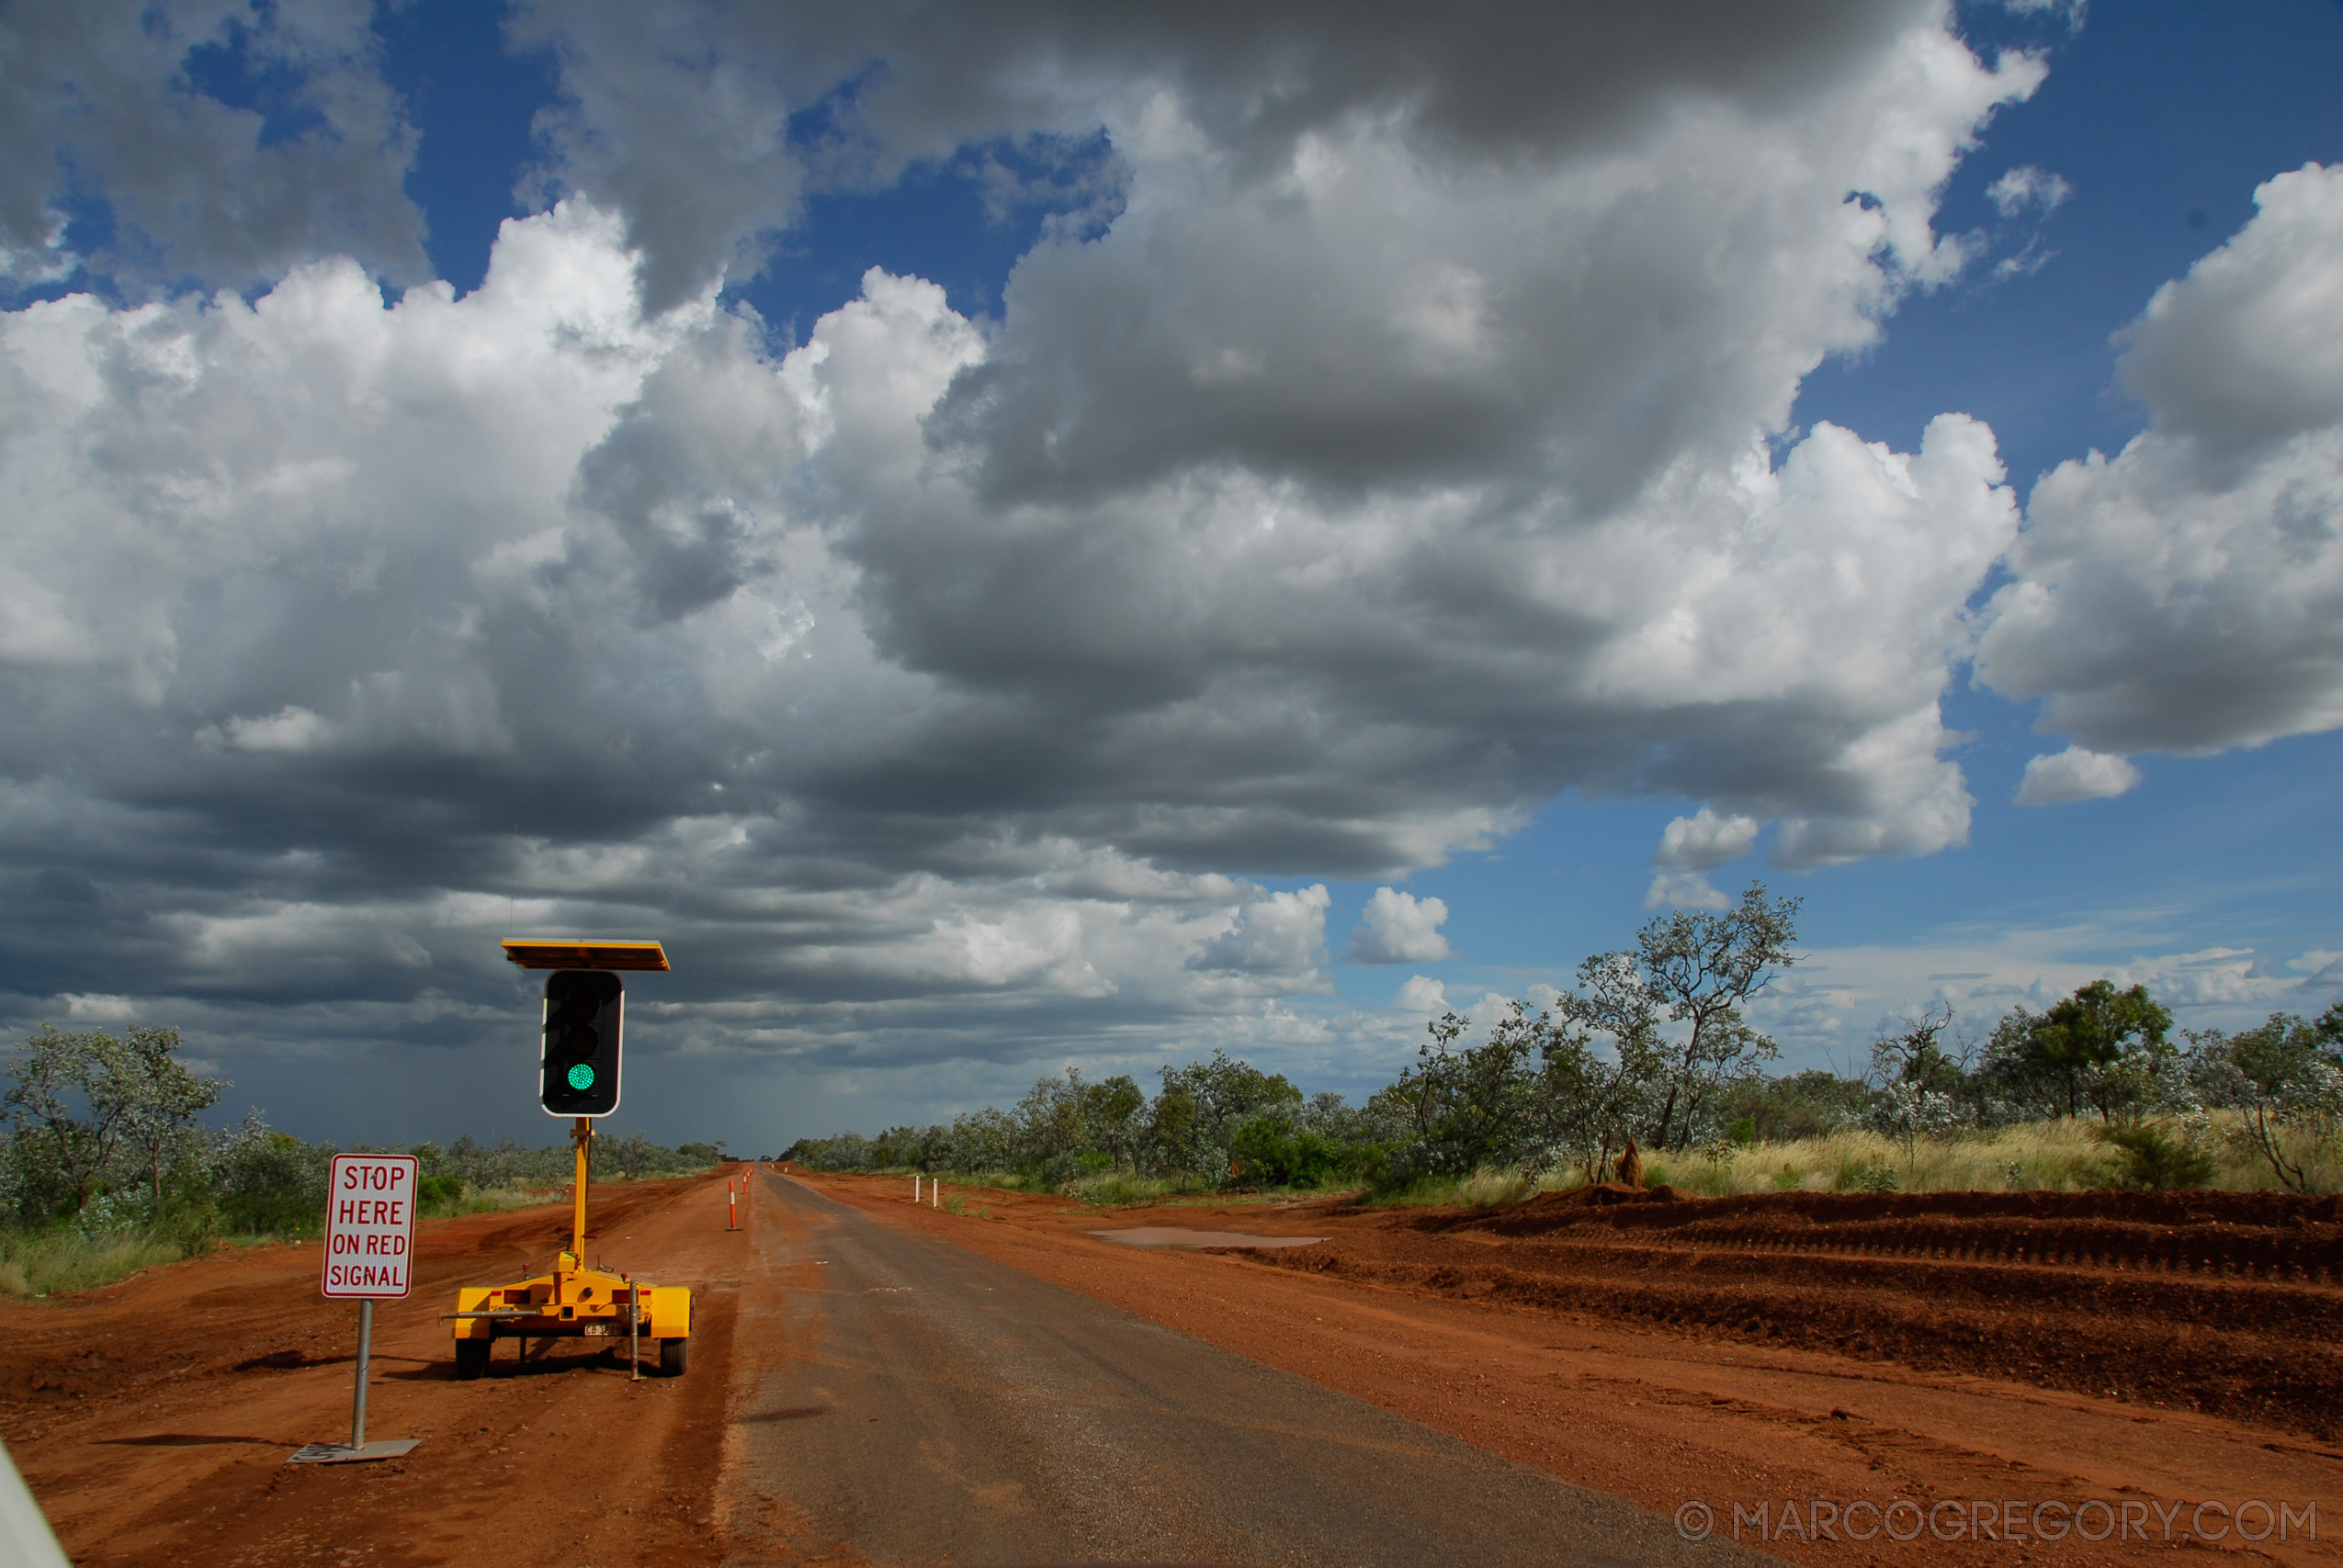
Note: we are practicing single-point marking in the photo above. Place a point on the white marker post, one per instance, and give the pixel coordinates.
(369, 1256)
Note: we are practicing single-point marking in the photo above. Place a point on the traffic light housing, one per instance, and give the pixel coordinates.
(583, 1009)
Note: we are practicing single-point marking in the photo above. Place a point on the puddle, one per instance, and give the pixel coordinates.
(1173, 1236)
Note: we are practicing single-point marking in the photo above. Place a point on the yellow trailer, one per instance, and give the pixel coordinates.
(574, 1302)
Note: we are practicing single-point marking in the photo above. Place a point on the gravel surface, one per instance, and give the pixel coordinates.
(926, 1403)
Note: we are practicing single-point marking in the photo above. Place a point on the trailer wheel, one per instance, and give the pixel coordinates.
(471, 1359)
(673, 1356)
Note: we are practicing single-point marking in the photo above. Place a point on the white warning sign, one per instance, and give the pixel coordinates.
(371, 1225)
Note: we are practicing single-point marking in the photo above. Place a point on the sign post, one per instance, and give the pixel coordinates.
(369, 1256)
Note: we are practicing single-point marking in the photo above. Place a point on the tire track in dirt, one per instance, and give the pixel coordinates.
(2207, 1302)
(2256, 1236)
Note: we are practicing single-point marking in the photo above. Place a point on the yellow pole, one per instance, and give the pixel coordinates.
(577, 1220)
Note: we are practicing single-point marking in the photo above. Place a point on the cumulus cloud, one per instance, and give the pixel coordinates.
(2186, 594)
(2211, 977)
(1705, 841)
(1278, 933)
(2073, 10)
(290, 728)
(1828, 1007)
(106, 102)
(710, 122)
(1398, 928)
(2075, 775)
(2028, 185)
(1690, 846)
(1402, 444)
(680, 130)
(1683, 890)
(1421, 994)
(93, 1007)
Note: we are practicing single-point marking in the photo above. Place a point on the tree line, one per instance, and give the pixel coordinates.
(103, 1133)
(1653, 1044)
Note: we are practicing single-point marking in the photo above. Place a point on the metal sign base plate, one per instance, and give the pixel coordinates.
(342, 1453)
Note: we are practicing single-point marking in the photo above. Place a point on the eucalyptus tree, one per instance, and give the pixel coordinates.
(165, 1100)
(2285, 1079)
(2101, 1046)
(1604, 1059)
(1700, 970)
(80, 1101)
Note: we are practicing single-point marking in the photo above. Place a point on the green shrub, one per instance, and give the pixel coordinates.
(2157, 1158)
(189, 1225)
(439, 1195)
(1118, 1187)
(1269, 1155)
(271, 1213)
(1854, 1176)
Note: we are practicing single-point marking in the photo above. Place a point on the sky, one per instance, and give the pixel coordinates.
(1042, 534)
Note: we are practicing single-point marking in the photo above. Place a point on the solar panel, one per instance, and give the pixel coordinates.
(582, 952)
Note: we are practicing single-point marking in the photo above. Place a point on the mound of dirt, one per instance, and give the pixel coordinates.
(2266, 1235)
(2279, 1210)
(1603, 1193)
(2222, 1302)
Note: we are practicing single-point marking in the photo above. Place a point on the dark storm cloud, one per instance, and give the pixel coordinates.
(220, 141)
(706, 123)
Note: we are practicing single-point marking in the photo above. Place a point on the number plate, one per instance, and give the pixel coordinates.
(595, 1330)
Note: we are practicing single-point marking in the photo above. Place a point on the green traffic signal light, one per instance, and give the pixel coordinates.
(579, 1057)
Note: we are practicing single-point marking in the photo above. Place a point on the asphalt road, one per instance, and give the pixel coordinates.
(910, 1402)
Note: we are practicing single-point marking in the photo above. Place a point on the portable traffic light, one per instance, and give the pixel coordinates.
(582, 1009)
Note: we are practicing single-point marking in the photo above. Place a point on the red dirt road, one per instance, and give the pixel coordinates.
(1397, 1309)
(1666, 1353)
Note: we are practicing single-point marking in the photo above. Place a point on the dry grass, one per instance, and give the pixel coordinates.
(60, 1262)
(2055, 1157)
(1487, 1189)
(496, 1200)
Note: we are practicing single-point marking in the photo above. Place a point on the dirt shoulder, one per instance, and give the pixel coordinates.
(1627, 1350)
(153, 1418)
